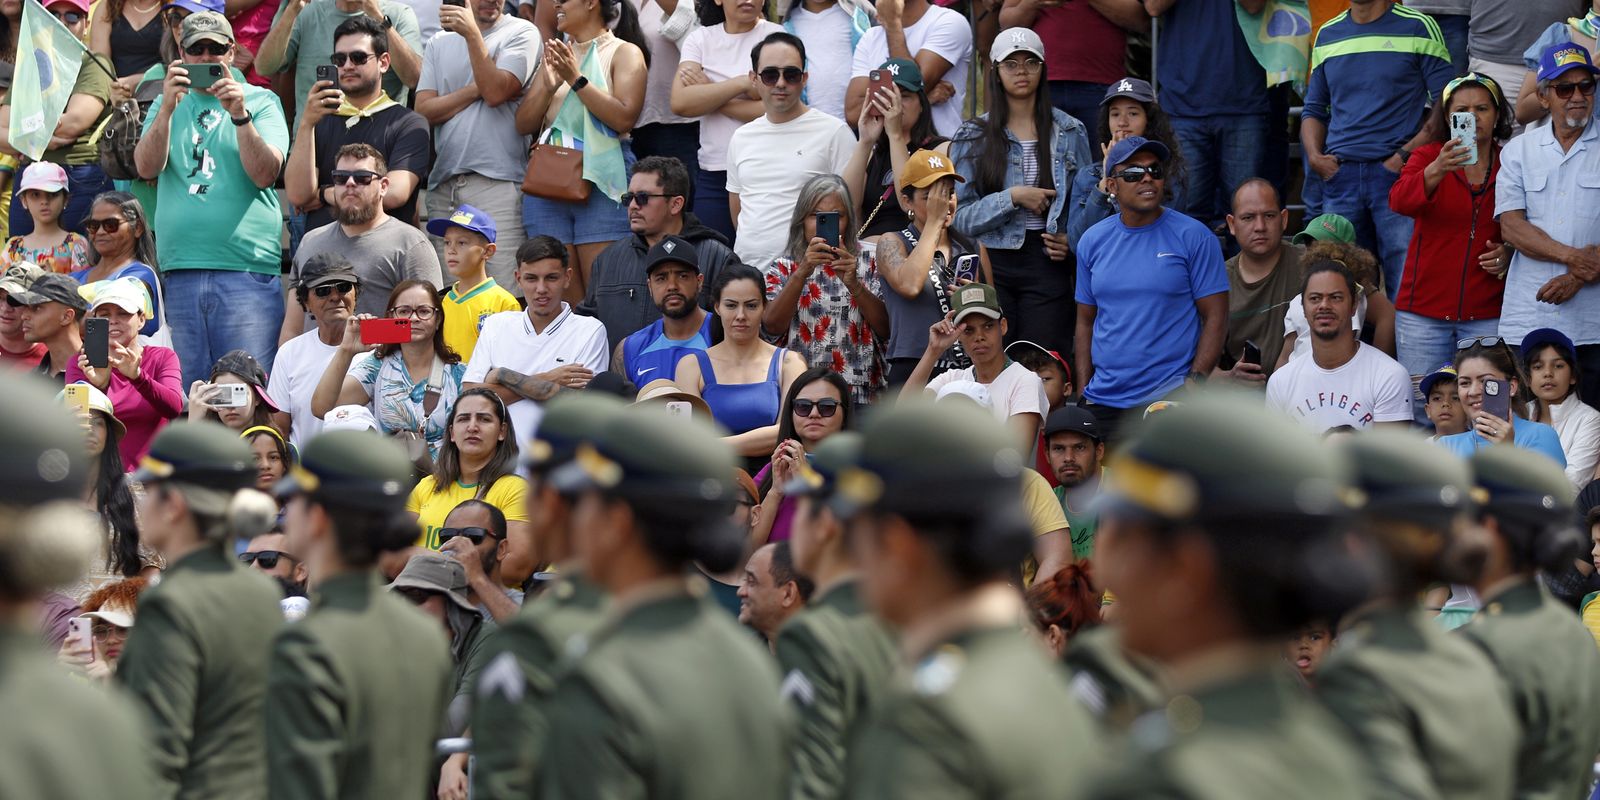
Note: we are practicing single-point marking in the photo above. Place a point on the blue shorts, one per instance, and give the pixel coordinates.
(601, 219)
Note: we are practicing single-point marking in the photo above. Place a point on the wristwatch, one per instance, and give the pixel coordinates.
(582, 81)
(248, 117)
(388, 24)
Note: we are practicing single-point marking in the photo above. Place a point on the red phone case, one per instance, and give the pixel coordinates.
(385, 331)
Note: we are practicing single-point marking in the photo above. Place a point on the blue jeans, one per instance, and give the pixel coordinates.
(1424, 344)
(671, 140)
(711, 202)
(1081, 101)
(1454, 29)
(1359, 192)
(1219, 153)
(84, 183)
(213, 311)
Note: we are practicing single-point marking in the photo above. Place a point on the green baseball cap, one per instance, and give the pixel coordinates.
(1402, 475)
(1327, 228)
(570, 419)
(976, 298)
(819, 474)
(199, 454)
(907, 74)
(351, 469)
(42, 442)
(675, 466)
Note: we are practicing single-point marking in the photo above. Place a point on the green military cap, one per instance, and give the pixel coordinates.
(1522, 484)
(199, 454)
(41, 445)
(351, 469)
(929, 457)
(819, 473)
(1402, 475)
(570, 419)
(678, 466)
(1224, 455)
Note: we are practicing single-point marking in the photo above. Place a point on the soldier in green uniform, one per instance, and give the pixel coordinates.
(197, 660)
(836, 657)
(1217, 537)
(1429, 711)
(60, 737)
(669, 698)
(1541, 648)
(356, 690)
(512, 696)
(934, 503)
(1116, 686)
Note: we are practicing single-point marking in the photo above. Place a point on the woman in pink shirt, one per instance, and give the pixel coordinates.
(143, 381)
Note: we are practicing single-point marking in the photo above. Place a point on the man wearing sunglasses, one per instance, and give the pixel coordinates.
(327, 289)
(16, 352)
(302, 38)
(1545, 198)
(772, 156)
(269, 554)
(474, 534)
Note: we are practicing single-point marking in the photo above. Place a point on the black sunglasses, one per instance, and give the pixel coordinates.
(1486, 341)
(791, 75)
(69, 17)
(207, 49)
(111, 225)
(1138, 174)
(14, 302)
(342, 287)
(1564, 90)
(643, 198)
(266, 559)
(357, 58)
(826, 407)
(474, 535)
(362, 177)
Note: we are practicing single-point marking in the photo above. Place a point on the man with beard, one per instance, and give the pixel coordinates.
(1075, 448)
(384, 250)
(672, 271)
(1345, 382)
(474, 534)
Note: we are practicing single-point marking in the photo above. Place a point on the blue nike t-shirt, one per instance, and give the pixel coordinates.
(647, 354)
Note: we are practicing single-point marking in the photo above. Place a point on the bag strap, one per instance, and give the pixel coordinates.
(430, 398)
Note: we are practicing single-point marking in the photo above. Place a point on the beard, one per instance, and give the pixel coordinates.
(681, 312)
(1578, 123)
(359, 214)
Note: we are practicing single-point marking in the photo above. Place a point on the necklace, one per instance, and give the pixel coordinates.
(145, 9)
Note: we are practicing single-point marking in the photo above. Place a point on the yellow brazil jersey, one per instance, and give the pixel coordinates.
(464, 313)
(432, 507)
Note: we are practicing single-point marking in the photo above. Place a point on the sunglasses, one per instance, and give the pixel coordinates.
(423, 313)
(266, 559)
(342, 287)
(1486, 341)
(791, 75)
(1564, 90)
(474, 535)
(111, 225)
(207, 49)
(825, 408)
(362, 177)
(175, 17)
(1138, 174)
(14, 302)
(642, 198)
(357, 58)
(69, 17)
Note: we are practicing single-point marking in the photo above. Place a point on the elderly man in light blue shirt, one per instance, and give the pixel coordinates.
(1548, 201)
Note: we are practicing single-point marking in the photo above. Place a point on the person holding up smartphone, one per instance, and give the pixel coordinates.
(144, 381)
(1492, 387)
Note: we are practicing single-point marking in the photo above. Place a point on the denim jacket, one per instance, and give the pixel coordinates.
(992, 219)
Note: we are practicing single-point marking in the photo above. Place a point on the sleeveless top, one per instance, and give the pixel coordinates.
(135, 50)
(607, 44)
(742, 407)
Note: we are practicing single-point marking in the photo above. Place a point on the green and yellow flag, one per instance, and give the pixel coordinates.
(48, 59)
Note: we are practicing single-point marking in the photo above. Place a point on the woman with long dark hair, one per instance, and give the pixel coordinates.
(894, 124)
(110, 496)
(1022, 157)
(1129, 109)
(824, 397)
(234, 367)
(122, 244)
(1485, 358)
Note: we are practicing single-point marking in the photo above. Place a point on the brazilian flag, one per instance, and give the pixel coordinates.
(48, 59)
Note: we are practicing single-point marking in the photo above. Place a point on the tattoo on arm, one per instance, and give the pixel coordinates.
(529, 386)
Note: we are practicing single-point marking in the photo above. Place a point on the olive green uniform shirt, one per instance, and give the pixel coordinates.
(356, 693)
(671, 700)
(196, 661)
(510, 704)
(1113, 684)
(1550, 662)
(836, 660)
(1430, 713)
(61, 737)
(94, 80)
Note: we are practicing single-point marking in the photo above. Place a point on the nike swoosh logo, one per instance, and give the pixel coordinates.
(1166, 255)
(643, 371)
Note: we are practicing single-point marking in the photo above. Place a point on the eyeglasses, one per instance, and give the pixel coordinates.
(111, 225)
(342, 287)
(1486, 341)
(175, 16)
(107, 631)
(266, 559)
(1012, 66)
(1138, 174)
(423, 313)
(643, 198)
(69, 17)
(357, 58)
(791, 75)
(362, 177)
(826, 407)
(1564, 90)
(474, 535)
(207, 49)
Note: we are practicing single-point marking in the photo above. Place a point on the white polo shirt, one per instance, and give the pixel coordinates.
(508, 340)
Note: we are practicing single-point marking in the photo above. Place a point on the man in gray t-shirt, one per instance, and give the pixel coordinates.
(473, 77)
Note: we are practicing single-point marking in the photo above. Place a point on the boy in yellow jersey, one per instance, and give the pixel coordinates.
(469, 236)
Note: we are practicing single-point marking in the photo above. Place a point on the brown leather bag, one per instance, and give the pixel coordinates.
(556, 173)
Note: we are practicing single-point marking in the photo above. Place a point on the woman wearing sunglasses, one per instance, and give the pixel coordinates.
(817, 406)
(1488, 377)
(122, 244)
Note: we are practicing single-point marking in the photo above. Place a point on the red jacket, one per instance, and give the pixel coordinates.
(1452, 229)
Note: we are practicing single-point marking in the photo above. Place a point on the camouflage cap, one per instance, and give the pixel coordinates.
(1522, 484)
(43, 445)
(1401, 475)
(201, 454)
(819, 474)
(19, 277)
(351, 469)
(677, 466)
(570, 419)
(205, 25)
(929, 457)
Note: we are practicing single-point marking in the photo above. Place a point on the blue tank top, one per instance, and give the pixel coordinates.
(742, 407)
(648, 355)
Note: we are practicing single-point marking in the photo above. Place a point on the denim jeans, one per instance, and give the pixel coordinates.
(1081, 101)
(1219, 153)
(213, 311)
(1454, 29)
(1359, 192)
(501, 200)
(84, 183)
(672, 140)
(1424, 344)
(711, 202)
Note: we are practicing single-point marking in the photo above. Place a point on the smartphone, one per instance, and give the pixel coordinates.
(456, 3)
(1464, 127)
(680, 408)
(228, 395)
(202, 76)
(828, 227)
(97, 341)
(385, 331)
(80, 634)
(1496, 398)
(77, 397)
(1252, 354)
(329, 73)
(967, 269)
(878, 79)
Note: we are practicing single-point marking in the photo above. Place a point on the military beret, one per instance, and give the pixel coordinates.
(819, 473)
(1523, 484)
(201, 454)
(41, 445)
(1403, 475)
(351, 469)
(570, 419)
(929, 457)
(678, 466)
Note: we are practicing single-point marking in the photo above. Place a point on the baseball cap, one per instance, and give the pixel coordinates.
(197, 6)
(349, 418)
(81, 5)
(436, 573)
(120, 616)
(925, 167)
(972, 390)
(976, 298)
(1131, 88)
(244, 365)
(53, 287)
(1127, 148)
(671, 249)
(206, 26)
(1562, 57)
(1446, 372)
(907, 73)
(1016, 40)
(1022, 349)
(46, 176)
(19, 277)
(127, 293)
(1073, 419)
(98, 401)
(1543, 336)
(466, 217)
(327, 268)
(1327, 228)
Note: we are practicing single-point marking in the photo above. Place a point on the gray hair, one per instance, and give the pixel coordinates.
(811, 195)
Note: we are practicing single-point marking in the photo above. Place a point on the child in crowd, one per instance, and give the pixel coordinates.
(1309, 647)
(1550, 361)
(44, 195)
(1053, 371)
(1443, 400)
(469, 236)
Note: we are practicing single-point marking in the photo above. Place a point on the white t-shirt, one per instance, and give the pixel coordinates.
(507, 340)
(295, 374)
(1294, 321)
(940, 31)
(1371, 387)
(1016, 390)
(828, 56)
(663, 67)
(767, 165)
(721, 55)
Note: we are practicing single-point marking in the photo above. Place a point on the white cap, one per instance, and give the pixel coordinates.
(1015, 40)
(128, 293)
(349, 418)
(972, 390)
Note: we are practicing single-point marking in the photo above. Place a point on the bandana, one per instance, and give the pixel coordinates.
(347, 109)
